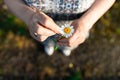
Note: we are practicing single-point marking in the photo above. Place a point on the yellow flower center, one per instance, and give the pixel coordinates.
(67, 30)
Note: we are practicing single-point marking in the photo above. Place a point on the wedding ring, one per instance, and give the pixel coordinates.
(35, 34)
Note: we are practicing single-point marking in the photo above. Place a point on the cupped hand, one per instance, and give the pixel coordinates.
(42, 26)
(79, 36)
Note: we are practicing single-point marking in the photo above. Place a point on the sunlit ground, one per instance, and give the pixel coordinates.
(97, 58)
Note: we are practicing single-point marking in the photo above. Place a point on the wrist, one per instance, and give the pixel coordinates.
(29, 13)
(85, 25)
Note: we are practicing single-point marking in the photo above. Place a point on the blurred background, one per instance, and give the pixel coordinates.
(96, 59)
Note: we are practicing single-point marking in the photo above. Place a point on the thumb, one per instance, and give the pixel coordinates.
(47, 22)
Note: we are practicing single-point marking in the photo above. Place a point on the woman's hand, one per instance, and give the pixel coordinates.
(78, 37)
(42, 26)
(85, 23)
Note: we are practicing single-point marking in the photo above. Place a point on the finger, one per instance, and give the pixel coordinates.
(43, 31)
(47, 22)
(61, 44)
(42, 38)
(37, 28)
(38, 37)
(80, 39)
(70, 40)
(66, 40)
(67, 44)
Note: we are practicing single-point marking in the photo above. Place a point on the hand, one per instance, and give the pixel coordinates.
(41, 27)
(78, 37)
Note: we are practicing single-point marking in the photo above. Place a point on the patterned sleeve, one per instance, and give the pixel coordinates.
(28, 2)
(61, 6)
(34, 3)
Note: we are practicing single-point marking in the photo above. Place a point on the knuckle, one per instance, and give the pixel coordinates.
(70, 41)
(83, 41)
(39, 31)
(50, 19)
(41, 39)
(46, 21)
(70, 44)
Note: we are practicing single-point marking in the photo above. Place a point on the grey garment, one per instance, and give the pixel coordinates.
(61, 11)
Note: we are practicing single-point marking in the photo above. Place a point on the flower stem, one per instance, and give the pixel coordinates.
(56, 48)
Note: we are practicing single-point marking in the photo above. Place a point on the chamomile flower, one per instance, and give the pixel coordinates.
(67, 30)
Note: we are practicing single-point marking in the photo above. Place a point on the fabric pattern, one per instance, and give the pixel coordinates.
(61, 6)
(61, 11)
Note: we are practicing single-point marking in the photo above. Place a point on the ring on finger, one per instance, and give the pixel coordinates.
(35, 34)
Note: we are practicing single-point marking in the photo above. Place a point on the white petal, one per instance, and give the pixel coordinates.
(72, 27)
(62, 26)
